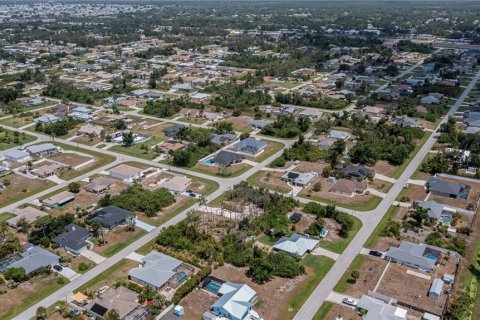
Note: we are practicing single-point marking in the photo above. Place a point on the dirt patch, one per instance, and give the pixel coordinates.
(240, 123)
(413, 193)
(411, 289)
(222, 171)
(380, 185)
(272, 180)
(20, 186)
(385, 168)
(82, 201)
(370, 272)
(115, 237)
(343, 312)
(306, 166)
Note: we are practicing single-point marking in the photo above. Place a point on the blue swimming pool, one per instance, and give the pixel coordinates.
(446, 219)
(213, 287)
(432, 256)
(208, 161)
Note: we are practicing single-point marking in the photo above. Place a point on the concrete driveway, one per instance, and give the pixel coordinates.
(95, 257)
(337, 298)
(68, 273)
(143, 225)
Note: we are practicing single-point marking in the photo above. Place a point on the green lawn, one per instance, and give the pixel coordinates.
(107, 274)
(323, 311)
(371, 204)
(273, 148)
(253, 180)
(119, 246)
(340, 245)
(218, 173)
(26, 302)
(343, 285)
(5, 216)
(9, 140)
(146, 248)
(383, 223)
(136, 151)
(320, 265)
(266, 240)
(398, 171)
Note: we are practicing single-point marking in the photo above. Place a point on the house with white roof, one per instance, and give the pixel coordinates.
(235, 303)
(378, 310)
(17, 155)
(296, 245)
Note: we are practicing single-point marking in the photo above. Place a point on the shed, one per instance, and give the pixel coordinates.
(436, 289)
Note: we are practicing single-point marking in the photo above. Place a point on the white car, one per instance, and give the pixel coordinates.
(349, 302)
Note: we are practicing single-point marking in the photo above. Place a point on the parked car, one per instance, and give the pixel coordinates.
(470, 206)
(349, 302)
(375, 253)
(57, 268)
(296, 162)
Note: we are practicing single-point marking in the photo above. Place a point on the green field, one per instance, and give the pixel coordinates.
(10, 139)
(137, 151)
(340, 245)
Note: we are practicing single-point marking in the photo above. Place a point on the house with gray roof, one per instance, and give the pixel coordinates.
(158, 271)
(226, 158)
(337, 134)
(376, 309)
(74, 239)
(259, 123)
(112, 216)
(173, 130)
(358, 173)
(436, 210)
(300, 179)
(447, 189)
(419, 256)
(250, 146)
(42, 150)
(296, 245)
(405, 121)
(46, 119)
(17, 155)
(223, 139)
(34, 258)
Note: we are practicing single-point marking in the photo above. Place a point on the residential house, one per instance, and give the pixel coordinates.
(376, 309)
(177, 184)
(337, 134)
(47, 170)
(259, 123)
(223, 139)
(90, 130)
(74, 239)
(299, 179)
(348, 188)
(121, 299)
(112, 216)
(325, 143)
(47, 119)
(17, 155)
(373, 111)
(405, 121)
(430, 99)
(126, 173)
(173, 130)
(447, 189)
(29, 214)
(250, 146)
(212, 116)
(235, 303)
(33, 259)
(59, 199)
(100, 185)
(226, 158)
(311, 113)
(42, 150)
(297, 245)
(437, 210)
(358, 173)
(158, 271)
(166, 147)
(419, 256)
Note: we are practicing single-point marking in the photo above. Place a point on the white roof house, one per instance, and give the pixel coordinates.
(236, 301)
(337, 134)
(296, 244)
(378, 310)
(17, 155)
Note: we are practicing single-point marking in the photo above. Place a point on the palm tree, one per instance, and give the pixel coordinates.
(41, 313)
(159, 301)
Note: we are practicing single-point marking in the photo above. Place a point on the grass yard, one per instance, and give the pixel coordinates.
(137, 151)
(21, 188)
(9, 140)
(343, 284)
(29, 293)
(273, 182)
(109, 276)
(319, 267)
(5, 216)
(102, 159)
(272, 148)
(323, 311)
(368, 205)
(231, 171)
(339, 245)
(383, 223)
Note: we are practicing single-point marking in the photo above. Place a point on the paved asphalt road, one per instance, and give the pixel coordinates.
(308, 310)
(370, 221)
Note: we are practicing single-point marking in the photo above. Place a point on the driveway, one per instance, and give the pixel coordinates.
(68, 273)
(95, 257)
(324, 252)
(143, 225)
(135, 257)
(337, 298)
